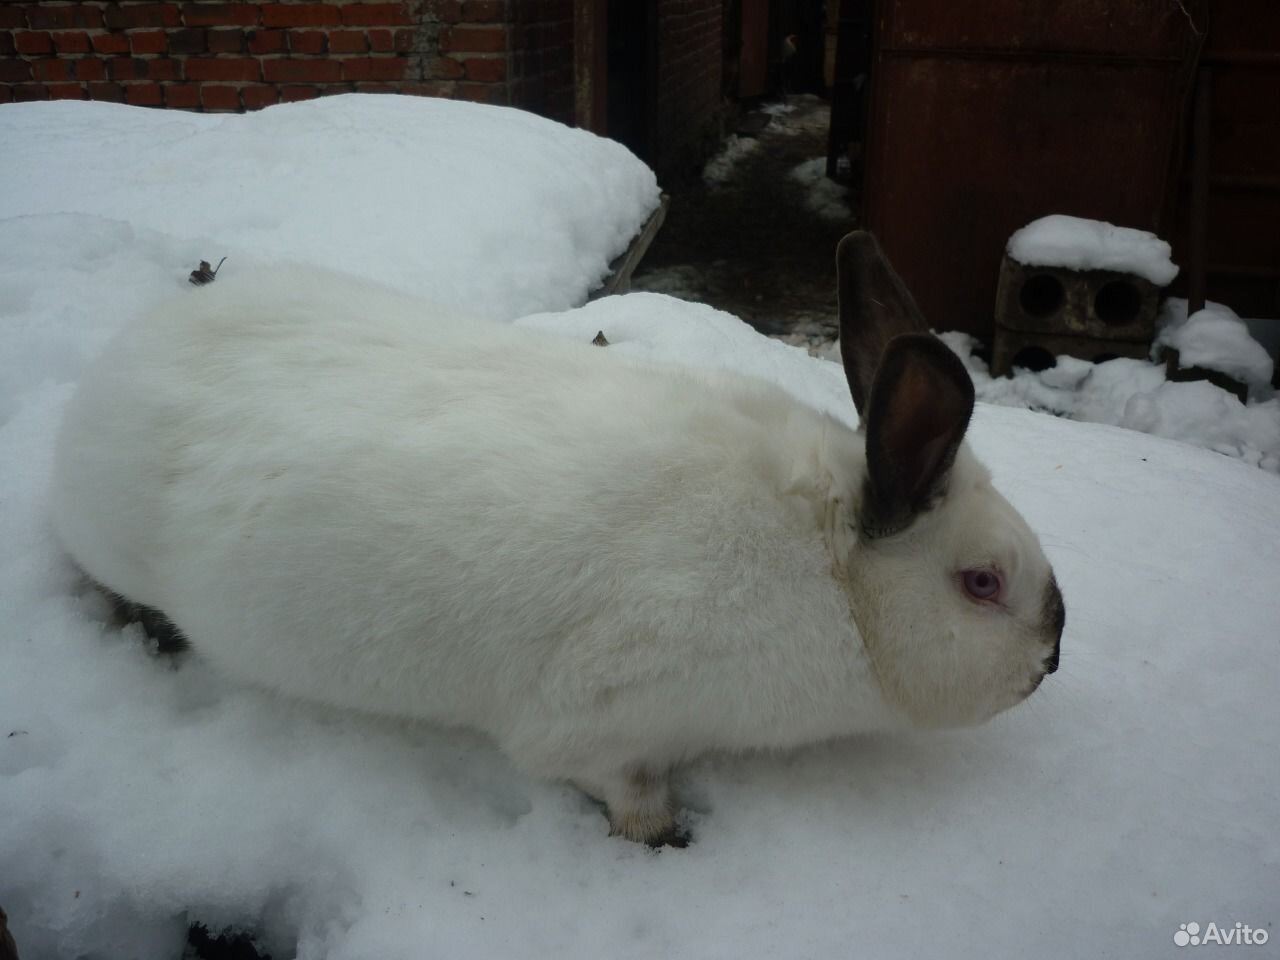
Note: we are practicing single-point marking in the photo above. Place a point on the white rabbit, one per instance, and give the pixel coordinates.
(608, 566)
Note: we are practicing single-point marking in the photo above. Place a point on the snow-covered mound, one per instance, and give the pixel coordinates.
(495, 210)
(1135, 394)
(1078, 244)
(1214, 338)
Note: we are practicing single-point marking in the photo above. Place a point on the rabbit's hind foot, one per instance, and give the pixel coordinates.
(639, 805)
(162, 631)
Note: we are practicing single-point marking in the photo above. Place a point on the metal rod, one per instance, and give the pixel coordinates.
(1257, 58)
(1028, 55)
(1196, 282)
(1244, 184)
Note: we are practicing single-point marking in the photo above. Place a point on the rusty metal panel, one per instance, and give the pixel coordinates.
(1131, 30)
(1241, 236)
(987, 115)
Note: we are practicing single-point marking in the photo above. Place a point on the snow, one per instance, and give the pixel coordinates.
(719, 169)
(1078, 244)
(1134, 792)
(1214, 338)
(1135, 394)
(492, 208)
(823, 195)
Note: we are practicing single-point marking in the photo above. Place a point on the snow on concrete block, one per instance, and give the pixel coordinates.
(1078, 244)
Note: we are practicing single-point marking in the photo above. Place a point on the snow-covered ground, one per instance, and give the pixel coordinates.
(822, 195)
(719, 169)
(1134, 793)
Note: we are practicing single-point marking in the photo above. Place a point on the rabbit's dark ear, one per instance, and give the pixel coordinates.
(917, 414)
(875, 307)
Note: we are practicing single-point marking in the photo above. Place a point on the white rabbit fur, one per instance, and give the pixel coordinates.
(608, 566)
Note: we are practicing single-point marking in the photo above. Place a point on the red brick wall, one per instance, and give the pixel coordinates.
(690, 83)
(542, 58)
(228, 55)
(219, 55)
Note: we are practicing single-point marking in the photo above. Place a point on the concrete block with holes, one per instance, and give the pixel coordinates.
(1091, 314)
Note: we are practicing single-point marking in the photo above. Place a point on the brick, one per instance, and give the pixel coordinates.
(446, 11)
(222, 68)
(142, 15)
(382, 41)
(12, 18)
(111, 43)
(219, 98)
(110, 92)
(51, 69)
(181, 96)
(67, 91)
(481, 92)
(376, 14)
(426, 89)
(25, 92)
(349, 41)
(44, 17)
(226, 41)
(291, 94)
(14, 71)
(163, 69)
(492, 70)
(302, 71)
(402, 41)
(6, 94)
(306, 41)
(189, 41)
(467, 39)
(300, 15)
(33, 44)
(220, 14)
(147, 41)
(484, 11)
(374, 68)
(88, 68)
(124, 68)
(71, 42)
(364, 87)
(266, 41)
(255, 98)
(443, 68)
(7, 49)
(144, 94)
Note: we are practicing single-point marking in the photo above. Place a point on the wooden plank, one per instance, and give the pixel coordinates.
(619, 279)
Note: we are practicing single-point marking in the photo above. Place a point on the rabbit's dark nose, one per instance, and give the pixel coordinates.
(1051, 661)
(1053, 617)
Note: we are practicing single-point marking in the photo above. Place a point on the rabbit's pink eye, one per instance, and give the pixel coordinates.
(981, 584)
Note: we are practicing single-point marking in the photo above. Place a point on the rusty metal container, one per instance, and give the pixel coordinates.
(987, 115)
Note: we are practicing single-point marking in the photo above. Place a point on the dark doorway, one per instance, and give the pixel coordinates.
(631, 84)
